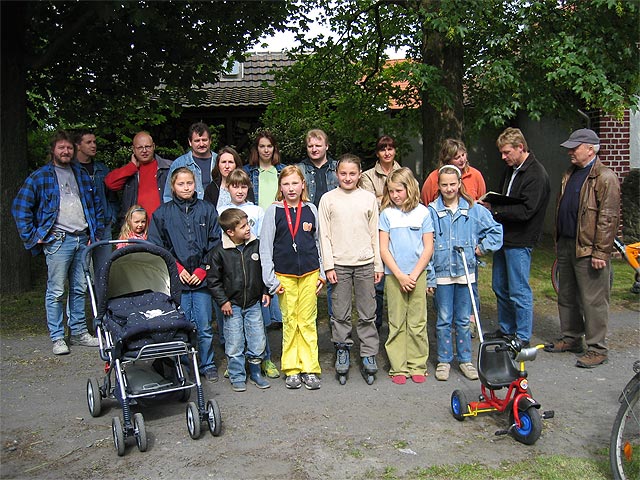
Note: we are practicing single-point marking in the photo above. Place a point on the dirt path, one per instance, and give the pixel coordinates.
(356, 431)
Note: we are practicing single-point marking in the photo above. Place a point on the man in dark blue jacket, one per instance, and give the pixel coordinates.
(86, 149)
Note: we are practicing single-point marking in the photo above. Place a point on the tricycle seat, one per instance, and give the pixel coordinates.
(496, 366)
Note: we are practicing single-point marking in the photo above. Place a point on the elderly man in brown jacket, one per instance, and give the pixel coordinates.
(587, 219)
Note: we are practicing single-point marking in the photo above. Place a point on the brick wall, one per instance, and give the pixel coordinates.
(615, 140)
(614, 143)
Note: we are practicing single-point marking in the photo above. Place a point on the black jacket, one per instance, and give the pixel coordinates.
(522, 223)
(235, 275)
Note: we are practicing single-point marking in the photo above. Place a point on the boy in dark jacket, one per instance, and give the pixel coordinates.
(235, 282)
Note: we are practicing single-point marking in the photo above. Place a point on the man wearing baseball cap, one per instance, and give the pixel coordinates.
(587, 219)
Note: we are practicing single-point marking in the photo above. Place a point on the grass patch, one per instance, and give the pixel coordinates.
(544, 296)
(554, 467)
(24, 313)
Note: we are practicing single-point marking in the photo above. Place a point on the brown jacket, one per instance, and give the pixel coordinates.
(598, 212)
(374, 180)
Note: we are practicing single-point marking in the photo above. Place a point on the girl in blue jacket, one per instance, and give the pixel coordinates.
(188, 228)
(457, 222)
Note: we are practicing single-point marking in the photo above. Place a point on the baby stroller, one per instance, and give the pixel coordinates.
(145, 339)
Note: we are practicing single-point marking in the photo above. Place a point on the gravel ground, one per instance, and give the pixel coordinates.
(354, 431)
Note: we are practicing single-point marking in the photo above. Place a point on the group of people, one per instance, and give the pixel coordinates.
(256, 244)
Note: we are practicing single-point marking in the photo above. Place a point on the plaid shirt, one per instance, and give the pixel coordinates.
(35, 208)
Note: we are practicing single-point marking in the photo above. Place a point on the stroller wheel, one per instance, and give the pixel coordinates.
(193, 420)
(214, 419)
(118, 435)
(140, 432)
(94, 397)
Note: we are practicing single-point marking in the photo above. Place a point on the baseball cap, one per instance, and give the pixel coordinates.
(584, 135)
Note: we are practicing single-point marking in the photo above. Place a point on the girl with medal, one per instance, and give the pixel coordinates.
(291, 268)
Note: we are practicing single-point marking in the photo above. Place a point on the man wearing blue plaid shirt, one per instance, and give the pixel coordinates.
(57, 210)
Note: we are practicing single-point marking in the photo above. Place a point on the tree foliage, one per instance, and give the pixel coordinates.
(497, 58)
(122, 66)
(113, 66)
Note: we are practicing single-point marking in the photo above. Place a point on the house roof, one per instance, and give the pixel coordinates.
(246, 85)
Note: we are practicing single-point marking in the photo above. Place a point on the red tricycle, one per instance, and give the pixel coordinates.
(501, 365)
(498, 368)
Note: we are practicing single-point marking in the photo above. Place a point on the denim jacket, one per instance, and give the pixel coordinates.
(186, 160)
(109, 199)
(467, 228)
(309, 177)
(254, 173)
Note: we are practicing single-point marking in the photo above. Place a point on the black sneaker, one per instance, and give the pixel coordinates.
(211, 374)
(498, 334)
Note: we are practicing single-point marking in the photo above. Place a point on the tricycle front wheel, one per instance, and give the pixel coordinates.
(530, 426)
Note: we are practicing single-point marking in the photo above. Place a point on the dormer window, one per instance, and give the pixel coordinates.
(234, 71)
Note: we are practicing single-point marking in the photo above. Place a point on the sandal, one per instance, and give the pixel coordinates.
(442, 372)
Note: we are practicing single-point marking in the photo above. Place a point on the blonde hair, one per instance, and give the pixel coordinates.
(317, 134)
(403, 176)
(512, 136)
(292, 170)
(462, 192)
(126, 231)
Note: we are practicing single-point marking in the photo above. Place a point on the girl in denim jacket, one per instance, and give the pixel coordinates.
(457, 222)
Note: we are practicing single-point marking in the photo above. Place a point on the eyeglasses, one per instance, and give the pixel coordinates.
(143, 148)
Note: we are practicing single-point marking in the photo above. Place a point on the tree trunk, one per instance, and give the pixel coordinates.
(441, 121)
(15, 261)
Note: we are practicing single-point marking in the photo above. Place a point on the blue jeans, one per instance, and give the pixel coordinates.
(454, 307)
(243, 328)
(270, 315)
(219, 322)
(510, 283)
(64, 263)
(197, 307)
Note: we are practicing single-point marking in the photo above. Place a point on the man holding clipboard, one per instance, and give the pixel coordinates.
(520, 208)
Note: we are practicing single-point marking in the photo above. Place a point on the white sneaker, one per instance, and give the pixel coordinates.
(84, 340)
(469, 371)
(60, 347)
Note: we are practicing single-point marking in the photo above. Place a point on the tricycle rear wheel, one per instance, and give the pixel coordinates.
(459, 405)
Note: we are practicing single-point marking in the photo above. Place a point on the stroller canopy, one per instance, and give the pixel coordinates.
(136, 268)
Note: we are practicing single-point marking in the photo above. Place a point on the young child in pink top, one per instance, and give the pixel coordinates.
(135, 225)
